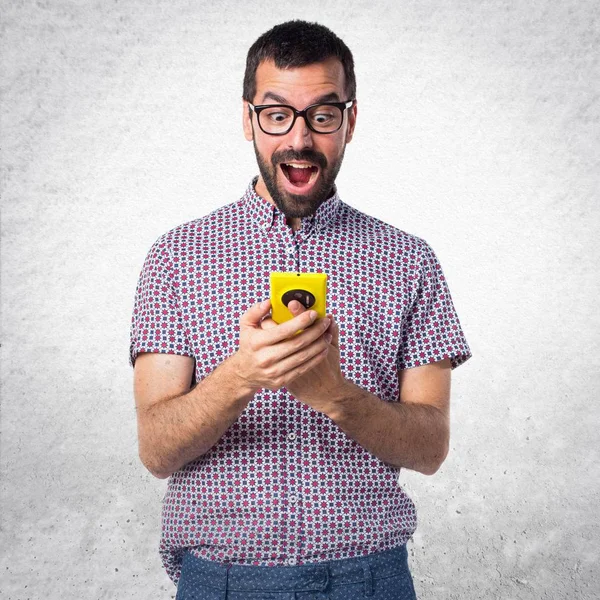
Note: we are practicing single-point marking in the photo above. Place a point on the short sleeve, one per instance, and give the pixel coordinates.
(431, 330)
(157, 323)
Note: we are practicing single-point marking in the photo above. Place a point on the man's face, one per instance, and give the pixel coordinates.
(298, 169)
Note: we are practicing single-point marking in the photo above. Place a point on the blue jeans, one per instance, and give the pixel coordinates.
(380, 576)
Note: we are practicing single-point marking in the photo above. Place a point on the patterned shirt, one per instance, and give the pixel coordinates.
(285, 485)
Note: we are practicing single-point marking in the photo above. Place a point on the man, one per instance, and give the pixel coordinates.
(283, 450)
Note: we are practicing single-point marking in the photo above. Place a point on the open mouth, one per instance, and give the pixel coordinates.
(299, 174)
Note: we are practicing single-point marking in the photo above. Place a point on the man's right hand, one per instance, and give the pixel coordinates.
(272, 358)
(177, 424)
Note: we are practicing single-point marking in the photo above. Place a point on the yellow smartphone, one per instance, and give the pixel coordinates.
(310, 289)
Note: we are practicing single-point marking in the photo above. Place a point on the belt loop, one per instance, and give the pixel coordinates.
(226, 582)
(327, 578)
(368, 579)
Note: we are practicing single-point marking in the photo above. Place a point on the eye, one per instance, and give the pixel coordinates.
(323, 116)
(277, 115)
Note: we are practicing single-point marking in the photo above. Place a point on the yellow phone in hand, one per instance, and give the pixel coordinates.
(310, 289)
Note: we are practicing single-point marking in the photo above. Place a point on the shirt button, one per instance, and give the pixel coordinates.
(291, 561)
(293, 498)
(292, 437)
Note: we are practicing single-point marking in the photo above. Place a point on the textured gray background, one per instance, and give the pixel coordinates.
(121, 120)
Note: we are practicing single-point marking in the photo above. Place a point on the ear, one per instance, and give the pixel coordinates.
(247, 121)
(351, 122)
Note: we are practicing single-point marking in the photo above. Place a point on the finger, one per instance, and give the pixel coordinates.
(283, 355)
(334, 331)
(267, 323)
(253, 316)
(296, 308)
(300, 342)
(306, 367)
(331, 323)
(291, 366)
(287, 329)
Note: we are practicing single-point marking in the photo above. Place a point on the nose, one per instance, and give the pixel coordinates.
(300, 136)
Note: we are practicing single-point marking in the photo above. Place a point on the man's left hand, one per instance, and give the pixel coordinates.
(324, 385)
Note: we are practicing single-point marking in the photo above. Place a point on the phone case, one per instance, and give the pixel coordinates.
(308, 288)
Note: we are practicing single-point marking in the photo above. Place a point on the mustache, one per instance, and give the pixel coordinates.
(290, 155)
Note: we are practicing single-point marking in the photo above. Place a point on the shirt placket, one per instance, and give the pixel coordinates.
(293, 483)
(291, 437)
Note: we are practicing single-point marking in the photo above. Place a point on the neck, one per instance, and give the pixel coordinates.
(261, 189)
(293, 223)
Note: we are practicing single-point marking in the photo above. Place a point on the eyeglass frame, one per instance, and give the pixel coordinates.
(343, 106)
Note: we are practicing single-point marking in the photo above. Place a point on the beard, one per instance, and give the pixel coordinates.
(298, 205)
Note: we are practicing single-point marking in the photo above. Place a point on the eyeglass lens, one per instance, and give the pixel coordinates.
(323, 118)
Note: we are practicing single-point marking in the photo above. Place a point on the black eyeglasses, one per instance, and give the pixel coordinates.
(278, 119)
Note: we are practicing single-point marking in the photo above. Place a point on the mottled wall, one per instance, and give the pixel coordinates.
(478, 130)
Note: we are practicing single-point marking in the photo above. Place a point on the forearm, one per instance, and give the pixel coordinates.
(177, 430)
(411, 436)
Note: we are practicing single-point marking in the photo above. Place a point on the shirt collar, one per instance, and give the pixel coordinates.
(265, 214)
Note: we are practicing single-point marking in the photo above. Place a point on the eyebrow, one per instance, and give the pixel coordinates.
(331, 97)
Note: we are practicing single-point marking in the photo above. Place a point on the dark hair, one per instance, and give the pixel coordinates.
(297, 44)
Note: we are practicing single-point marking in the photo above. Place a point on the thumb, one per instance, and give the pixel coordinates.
(255, 314)
(334, 330)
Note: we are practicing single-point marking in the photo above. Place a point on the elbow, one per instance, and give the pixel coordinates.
(157, 471)
(437, 458)
(160, 474)
(152, 457)
(431, 468)
(154, 467)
